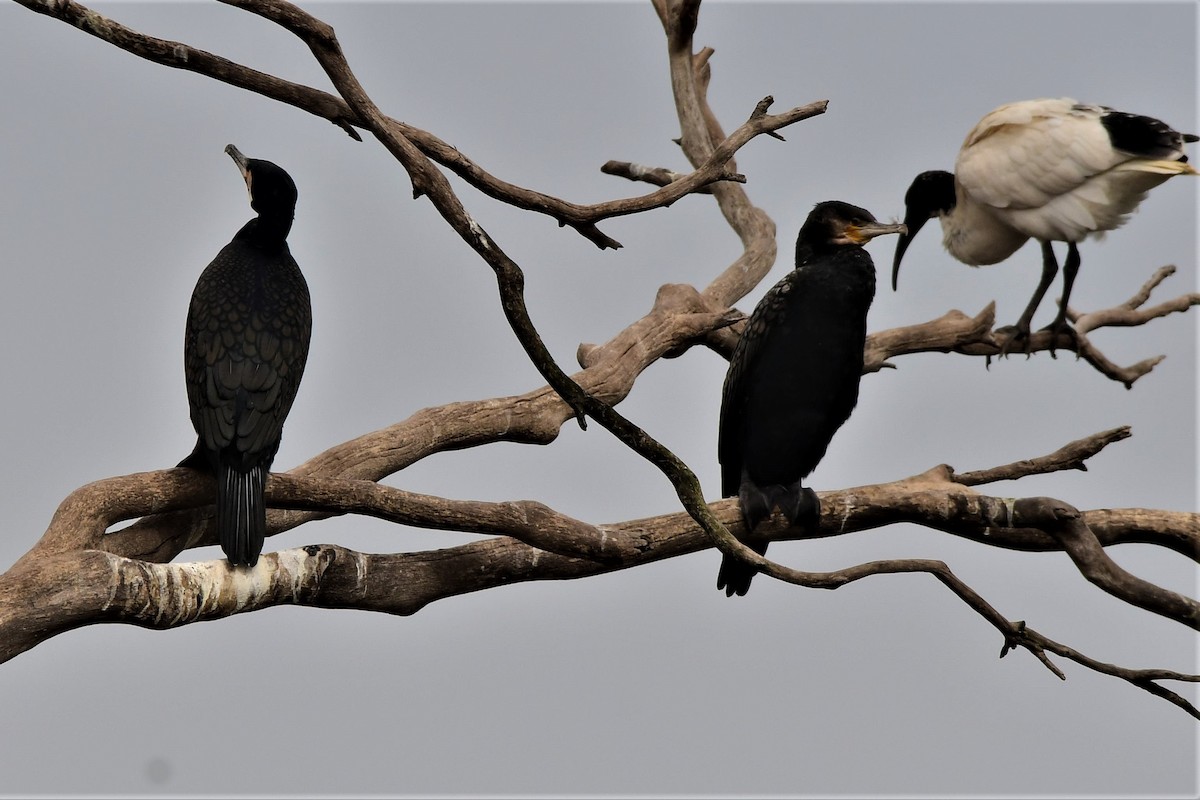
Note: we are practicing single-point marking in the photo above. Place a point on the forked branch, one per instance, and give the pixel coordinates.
(178, 55)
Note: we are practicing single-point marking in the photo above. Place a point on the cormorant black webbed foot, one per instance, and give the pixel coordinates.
(805, 511)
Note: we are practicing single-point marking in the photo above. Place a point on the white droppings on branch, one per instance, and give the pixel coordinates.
(203, 580)
(114, 581)
(294, 564)
(847, 512)
(484, 241)
(1010, 505)
(248, 582)
(171, 584)
(161, 590)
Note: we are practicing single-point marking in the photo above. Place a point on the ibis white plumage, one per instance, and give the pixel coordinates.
(1053, 170)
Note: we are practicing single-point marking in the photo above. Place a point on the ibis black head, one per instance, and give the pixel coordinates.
(931, 195)
(272, 191)
(835, 224)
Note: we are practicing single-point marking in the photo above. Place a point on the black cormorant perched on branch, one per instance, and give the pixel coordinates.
(793, 377)
(1052, 170)
(244, 350)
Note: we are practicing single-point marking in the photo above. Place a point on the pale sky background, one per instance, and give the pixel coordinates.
(115, 193)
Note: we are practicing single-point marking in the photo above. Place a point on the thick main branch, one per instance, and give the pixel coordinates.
(107, 587)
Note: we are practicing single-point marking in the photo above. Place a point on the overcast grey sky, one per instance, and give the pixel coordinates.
(115, 194)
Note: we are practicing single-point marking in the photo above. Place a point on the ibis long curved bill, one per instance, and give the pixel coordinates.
(931, 194)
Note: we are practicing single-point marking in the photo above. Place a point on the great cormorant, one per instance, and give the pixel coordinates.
(244, 351)
(793, 377)
(1052, 170)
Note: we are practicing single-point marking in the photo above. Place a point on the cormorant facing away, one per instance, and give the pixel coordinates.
(793, 377)
(244, 350)
(1052, 170)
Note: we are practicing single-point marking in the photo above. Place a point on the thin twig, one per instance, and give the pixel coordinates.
(1071, 456)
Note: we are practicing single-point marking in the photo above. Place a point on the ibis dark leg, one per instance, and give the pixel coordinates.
(1020, 331)
(1060, 324)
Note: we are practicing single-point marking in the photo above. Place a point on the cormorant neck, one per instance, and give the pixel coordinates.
(804, 251)
(267, 232)
(807, 249)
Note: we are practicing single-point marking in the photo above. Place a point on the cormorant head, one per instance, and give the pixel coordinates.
(931, 195)
(272, 191)
(834, 224)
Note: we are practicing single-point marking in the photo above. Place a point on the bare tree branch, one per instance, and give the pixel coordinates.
(1130, 312)
(1141, 678)
(1068, 526)
(84, 516)
(976, 336)
(955, 332)
(1069, 456)
(178, 55)
(120, 589)
(659, 176)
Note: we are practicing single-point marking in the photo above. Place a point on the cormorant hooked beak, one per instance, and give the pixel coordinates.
(242, 162)
(865, 232)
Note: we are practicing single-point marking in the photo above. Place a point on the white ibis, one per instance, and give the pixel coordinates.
(793, 377)
(1053, 170)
